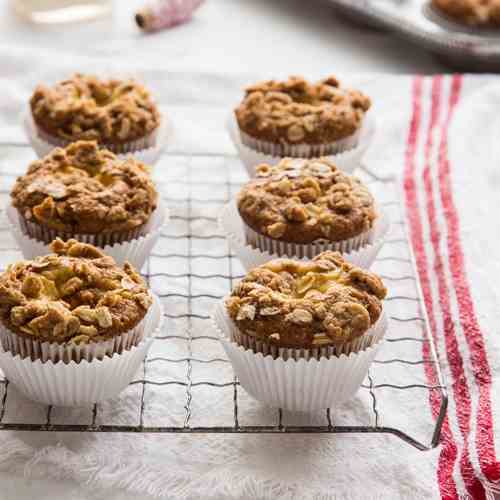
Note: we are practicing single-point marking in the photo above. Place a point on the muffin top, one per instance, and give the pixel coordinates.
(296, 111)
(471, 12)
(302, 201)
(77, 294)
(290, 303)
(86, 107)
(84, 189)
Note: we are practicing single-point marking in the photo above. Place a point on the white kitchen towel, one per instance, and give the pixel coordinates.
(432, 133)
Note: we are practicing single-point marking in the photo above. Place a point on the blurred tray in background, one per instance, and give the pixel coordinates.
(462, 47)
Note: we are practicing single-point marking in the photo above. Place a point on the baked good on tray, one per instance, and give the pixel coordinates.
(306, 203)
(300, 118)
(85, 192)
(119, 114)
(480, 13)
(76, 295)
(74, 325)
(304, 305)
(301, 335)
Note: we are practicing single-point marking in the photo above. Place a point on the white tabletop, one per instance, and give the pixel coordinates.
(226, 36)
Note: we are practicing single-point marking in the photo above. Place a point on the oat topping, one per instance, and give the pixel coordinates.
(296, 111)
(84, 189)
(76, 294)
(302, 201)
(471, 12)
(86, 107)
(326, 301)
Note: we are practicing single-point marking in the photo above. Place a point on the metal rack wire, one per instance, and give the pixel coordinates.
(192, 260)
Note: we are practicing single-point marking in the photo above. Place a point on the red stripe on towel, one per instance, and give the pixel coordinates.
(448, 453)
(468, 319)
(460, 390)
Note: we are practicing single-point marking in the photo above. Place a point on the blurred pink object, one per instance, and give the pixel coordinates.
(161, 14)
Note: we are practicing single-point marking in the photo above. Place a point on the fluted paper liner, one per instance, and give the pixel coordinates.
(301, 150)
(348, 157)
(147, 149)
(253, 249)
(294, 379)
(85, 382)
(34, 240)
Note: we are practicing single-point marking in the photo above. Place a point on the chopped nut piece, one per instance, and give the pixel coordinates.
(10, 296)
(263, 170)
(85, 313)
(276, 230)
(269, 311)
(246, 312)
(346, 319)
(56, 190)
(320, 169)
(32, 286)
(88, 330)
(295, 133)
(299, 316)
(19, 315)
(71, 286)
(44, 211)
(144, 300)
(296, 213)
(128, 284)
(104, 317)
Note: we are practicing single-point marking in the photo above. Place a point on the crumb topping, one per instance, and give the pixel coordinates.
(303, 201)
(84, 189)
(76, 294)
(471, 12)
(296, 111)
(307, 304)
(86, 107)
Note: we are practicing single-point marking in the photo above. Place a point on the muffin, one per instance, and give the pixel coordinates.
(302, 335)
(476, 13)
(86, 193)
(119, 115)
(300, 119)
(325, 303)
(299, 208)
(74, 303)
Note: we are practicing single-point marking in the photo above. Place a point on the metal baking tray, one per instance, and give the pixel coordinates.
(460, 46)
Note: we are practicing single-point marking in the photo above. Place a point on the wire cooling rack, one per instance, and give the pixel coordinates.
(186, 384)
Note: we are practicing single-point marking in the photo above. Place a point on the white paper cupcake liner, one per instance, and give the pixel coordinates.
(347, 160)
(33, 349)
(295, 382)
(81, 383)
(301, 150)
(135, 251)
(299, 250)
(361, 251)
(47, 235)
(148, 149)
